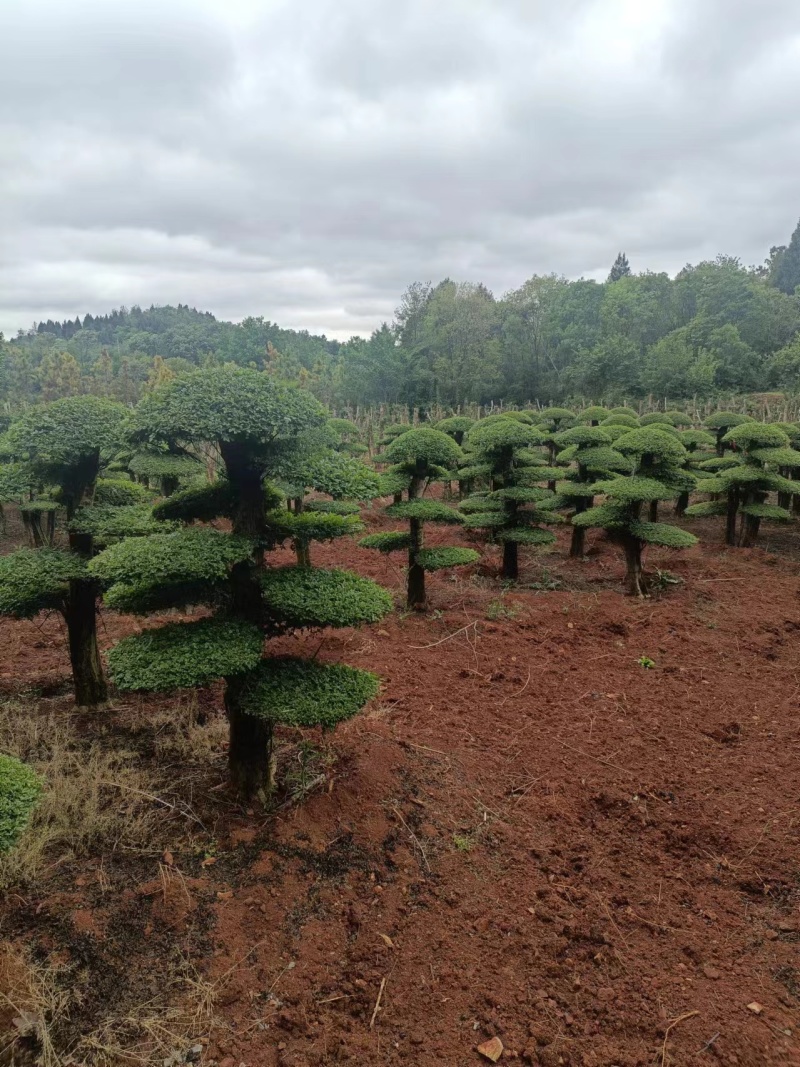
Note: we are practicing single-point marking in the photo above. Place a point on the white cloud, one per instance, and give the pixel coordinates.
(306, 162)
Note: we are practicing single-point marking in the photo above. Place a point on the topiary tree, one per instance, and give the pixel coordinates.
(257, 425)
(657, 458)
(20, 788)
(39, 519)
(655, 418)
(590, 449)
(747, 484)
(421, 456)
(167, 469)
(512, 509)
(346, 437)
(697, 443)
(680, 419)
(119, 492)
(592, 415)
(455, 426)
(722, 421)
(63, 444)
(17, 485)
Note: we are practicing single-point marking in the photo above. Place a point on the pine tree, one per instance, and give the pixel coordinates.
(590, 449)
(746, 484)
(512, 509)
(421, 456)
(256, 424)
(657, 458)
(620, 268)
(63, 445)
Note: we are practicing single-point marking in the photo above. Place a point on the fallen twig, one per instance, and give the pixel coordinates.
(672, 1025)
(158, 800)
(708, 1043)
(455, 633)
(377, 1003)
(413, 837)
(598, 759)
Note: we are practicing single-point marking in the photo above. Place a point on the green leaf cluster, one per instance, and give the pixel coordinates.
(304, 693)
(390, 541)
(107, 524)
(117, 492)
(37, 580)
(444, 556)
(424, 444)
(185, 654)
(312, 597)
(20, 788)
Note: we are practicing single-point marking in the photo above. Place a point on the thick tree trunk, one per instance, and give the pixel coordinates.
(578, 542)
(80, 614)
(302, 551)
(634, 578)
(681, 505)
(416, 575)
(652, 513)
(251, 755)
(749, 531)
(720, 447)
(796, 505)
(510, 568)
(730, 518)
(397, 498)
(169, 485)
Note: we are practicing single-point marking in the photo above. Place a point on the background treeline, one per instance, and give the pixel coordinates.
(715, 330)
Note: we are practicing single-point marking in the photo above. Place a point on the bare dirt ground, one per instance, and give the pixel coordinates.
(531, 836)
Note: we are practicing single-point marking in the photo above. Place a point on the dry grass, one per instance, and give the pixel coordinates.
(94, 800)
(180, 732)
(32, 1003)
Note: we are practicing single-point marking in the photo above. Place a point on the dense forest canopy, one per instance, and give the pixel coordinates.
(717, 328)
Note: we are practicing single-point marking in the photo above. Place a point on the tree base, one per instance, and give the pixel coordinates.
(252, 761)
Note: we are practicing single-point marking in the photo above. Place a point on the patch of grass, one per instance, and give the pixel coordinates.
(93, 799)
(499, 610)
(646, 662)
(463, 842)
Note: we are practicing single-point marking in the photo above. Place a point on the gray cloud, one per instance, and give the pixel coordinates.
(308, 162)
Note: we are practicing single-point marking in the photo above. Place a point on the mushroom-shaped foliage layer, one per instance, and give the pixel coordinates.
(301, 692)
(312, 597)
(185, 654)
(37, 580)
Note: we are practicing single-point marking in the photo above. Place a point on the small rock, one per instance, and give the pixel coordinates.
(229, 1061)
(491, 1049)
(755, 1007)
(711, 972)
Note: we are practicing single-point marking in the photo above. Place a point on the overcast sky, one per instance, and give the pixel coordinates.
(305, 160)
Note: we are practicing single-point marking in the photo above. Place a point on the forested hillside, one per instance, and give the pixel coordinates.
(716, 329)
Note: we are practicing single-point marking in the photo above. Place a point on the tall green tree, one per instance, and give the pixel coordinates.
(620, 268)
(257, 425)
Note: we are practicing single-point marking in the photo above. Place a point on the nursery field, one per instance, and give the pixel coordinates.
(568, 821)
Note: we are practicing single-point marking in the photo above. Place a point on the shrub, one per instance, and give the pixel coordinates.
(20, 787)
(589, 448)
(118, 492)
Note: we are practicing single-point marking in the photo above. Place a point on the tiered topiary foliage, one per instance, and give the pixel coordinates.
(512, 509)
(63, 445)
(657, 459)
(456, 426)
(20, 787)
(761, 451)
(166, 469)
(346, 437)
(17, 485)
(590, 449)
(592, 416)
(700, 446)
(421, 456)
(722, 421)
(257, 425)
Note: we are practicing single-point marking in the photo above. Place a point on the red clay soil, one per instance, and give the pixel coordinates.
(532, 835)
